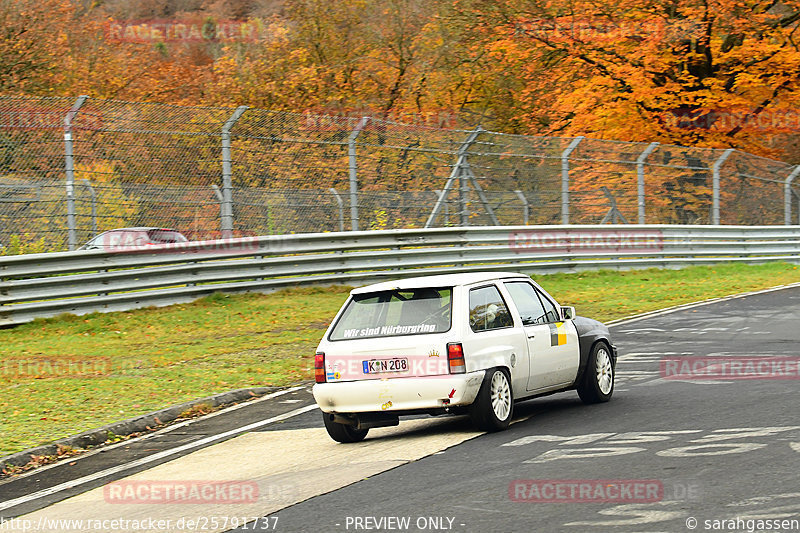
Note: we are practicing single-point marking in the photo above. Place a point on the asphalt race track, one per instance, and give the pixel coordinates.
(674, 455)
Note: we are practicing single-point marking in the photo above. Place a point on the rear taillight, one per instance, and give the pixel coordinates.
(455, 358)
(319, 367)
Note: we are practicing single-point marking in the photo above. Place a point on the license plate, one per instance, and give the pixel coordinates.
(377, 366)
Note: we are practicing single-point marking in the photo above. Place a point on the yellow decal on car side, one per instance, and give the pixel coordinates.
(558, 334)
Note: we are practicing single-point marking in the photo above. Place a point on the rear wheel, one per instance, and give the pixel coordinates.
(597, 384)
(342, 432)
(494, 405)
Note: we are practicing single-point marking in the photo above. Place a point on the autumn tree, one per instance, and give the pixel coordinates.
(644, 70)
(31, 33)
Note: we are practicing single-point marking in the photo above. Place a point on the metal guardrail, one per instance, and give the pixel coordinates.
(76, 166)
(43, 285)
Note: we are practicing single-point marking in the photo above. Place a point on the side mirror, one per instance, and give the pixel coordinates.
(568, 313)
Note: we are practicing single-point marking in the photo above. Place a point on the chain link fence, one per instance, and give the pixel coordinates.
(71, 168)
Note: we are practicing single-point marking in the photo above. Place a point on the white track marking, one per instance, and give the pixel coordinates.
(668, 310)
(151, 458)
(173, 427)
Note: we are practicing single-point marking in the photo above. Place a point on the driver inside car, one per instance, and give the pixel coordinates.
(425, 307)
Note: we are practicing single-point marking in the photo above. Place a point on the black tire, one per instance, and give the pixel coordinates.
(494, 406)
(597, 383)
(343, 432)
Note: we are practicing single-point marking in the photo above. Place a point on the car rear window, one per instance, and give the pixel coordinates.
(165, 236)
(395, 312)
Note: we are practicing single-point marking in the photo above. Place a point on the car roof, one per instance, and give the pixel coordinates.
(140, 228)
(439, 280)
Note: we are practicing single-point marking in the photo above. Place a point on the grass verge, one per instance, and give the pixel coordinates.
(67, 374)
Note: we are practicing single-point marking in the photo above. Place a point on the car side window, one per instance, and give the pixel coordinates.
(527, 301)
(488, 310)
(550, 311)
(114, 239)
(137, 238)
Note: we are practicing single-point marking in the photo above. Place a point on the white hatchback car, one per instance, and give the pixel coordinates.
(457, 343)
(140, 238)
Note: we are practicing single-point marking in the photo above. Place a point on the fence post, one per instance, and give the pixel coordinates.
(338, 197)
(351, 154)
(463, 198)
(69, 168)
(787, 196)
(440, 197)
(220, 199)
(94, 205)
(526, 209)
(565, 178)
(455, 173)
(715, 190)
(226, 205)
(640, 178)
(614, 213)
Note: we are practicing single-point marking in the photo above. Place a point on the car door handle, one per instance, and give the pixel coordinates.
(531, 335)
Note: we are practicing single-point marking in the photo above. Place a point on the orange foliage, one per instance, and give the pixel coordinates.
(721, 73)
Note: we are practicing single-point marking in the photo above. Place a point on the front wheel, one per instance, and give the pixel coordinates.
(597, 384)
(494, 405)
(343, 432)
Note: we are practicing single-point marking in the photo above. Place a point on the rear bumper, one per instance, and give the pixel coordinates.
(398, 394)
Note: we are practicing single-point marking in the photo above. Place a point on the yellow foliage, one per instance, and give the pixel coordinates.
(115, 207)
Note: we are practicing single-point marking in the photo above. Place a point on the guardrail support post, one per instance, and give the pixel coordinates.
(351, 155)
(69, 169)
(338, 197)
(226, 205)
(565, 178)
(715, 188)
(640, 178)
(787, 196)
